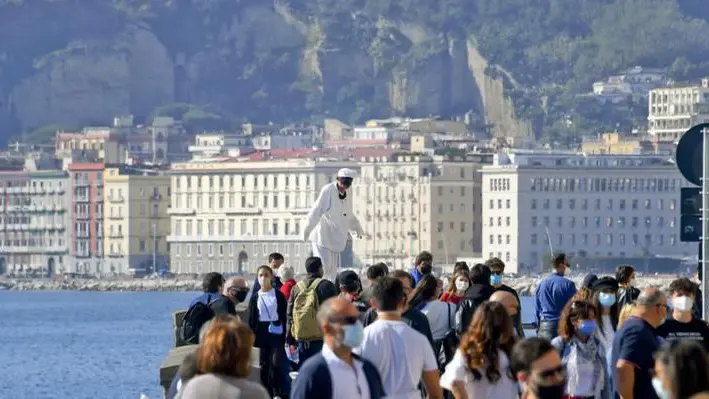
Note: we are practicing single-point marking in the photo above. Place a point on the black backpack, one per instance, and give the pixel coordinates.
(194, 319)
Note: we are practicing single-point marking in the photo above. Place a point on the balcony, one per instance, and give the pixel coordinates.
(82, 198)
(181, 211)
(83, 216)
(116, 217)
(116, 199)
(114, 234)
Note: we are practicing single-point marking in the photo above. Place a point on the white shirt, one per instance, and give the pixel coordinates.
(401, 354)
(457, 370)
(441, 318)
(267, 305)
(331, 219)
(348, 382)
(585, 381)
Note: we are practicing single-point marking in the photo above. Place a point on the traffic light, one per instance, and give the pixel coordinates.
(691, 218)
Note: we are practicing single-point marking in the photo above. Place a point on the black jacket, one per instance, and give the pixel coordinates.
(413, 317)
(474, 297)
(325, 290)
(518, 318)
(261, 329)
(627, 296)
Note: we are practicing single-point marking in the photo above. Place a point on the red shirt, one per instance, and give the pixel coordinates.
(287, 286)
(451, 297)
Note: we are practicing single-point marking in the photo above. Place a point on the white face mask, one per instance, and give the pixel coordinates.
(461, 285)
(682, 303)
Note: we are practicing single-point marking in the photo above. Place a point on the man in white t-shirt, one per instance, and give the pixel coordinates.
(402, 355)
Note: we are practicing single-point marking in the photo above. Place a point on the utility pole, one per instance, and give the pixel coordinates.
(705, 223)
(155, 243)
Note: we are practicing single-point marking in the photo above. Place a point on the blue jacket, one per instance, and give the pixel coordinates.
(552, 294)
(416, 275)
(315, 382)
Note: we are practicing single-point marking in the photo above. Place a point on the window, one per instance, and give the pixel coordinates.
(533, 239)
(210, 250)
(533, 204)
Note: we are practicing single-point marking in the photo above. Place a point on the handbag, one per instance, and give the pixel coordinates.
(274, 327)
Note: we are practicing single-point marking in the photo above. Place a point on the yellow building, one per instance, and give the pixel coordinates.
(615, 144)
(106, 143)
(135, 218)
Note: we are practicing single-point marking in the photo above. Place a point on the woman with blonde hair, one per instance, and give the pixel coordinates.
(224, 359)
(480, 368)
(625, 312)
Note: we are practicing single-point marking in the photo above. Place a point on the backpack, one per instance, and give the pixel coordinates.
(194, 319)
(305, 309)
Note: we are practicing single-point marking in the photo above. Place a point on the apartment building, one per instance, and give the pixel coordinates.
(105, 142)
(673, 110)
(135, 219)
(589, 206)
(228, 216)
(33, 221)
(86, 253)
(408, 203)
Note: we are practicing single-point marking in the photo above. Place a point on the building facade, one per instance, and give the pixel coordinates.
(136, 223)
(408, 203)
(86, 252)
(229, 216)
(588, 206)
(673, 110)
(33, 221)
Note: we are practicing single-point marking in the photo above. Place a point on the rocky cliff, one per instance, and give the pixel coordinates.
(248, 60)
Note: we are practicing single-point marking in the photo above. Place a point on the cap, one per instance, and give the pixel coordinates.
(605, 283)
(346, 173)
(313, 264)
(589, 280)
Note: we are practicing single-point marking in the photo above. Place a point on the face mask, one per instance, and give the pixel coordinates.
(682, 303)
(587, 327)
(461, 285)
(607, 300)
(550, 391)
(659, 389)
(426, 269)
(346, 183)
(241, 296)
(262, 281)
(567, 271)
(496, 279)
(353, 335)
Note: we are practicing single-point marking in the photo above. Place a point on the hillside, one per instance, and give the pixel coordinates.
(516, 64)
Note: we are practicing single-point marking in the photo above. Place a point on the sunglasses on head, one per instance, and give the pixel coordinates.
(580, 305)
(551, 372)
(349, 320)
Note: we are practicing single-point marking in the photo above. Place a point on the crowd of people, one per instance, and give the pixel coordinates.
(409, 335)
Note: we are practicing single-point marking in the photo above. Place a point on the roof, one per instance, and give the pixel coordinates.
(79, 166)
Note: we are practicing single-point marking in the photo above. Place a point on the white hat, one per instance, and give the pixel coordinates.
(347, 173)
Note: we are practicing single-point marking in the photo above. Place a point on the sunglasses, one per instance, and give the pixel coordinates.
(551, 372)
(346, 320)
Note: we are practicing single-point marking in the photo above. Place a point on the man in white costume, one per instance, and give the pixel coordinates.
(330, 220)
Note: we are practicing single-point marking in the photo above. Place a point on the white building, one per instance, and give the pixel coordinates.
(229, 216)
(598, 206)
(408, 203)
(673, 110)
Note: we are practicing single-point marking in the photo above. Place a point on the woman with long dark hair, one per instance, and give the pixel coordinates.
(681, 370)
(267, 319)
(480, 368)
(582, 355)
(440, 315)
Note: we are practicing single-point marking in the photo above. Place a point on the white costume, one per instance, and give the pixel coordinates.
(328, 225)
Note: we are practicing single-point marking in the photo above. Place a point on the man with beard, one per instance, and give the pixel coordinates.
(330, 220)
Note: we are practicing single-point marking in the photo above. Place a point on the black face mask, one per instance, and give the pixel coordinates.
(345, 182)
(550, 391)
(425, 269)
(241, 295)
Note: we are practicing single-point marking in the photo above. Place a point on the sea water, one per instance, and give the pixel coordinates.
(85, 345)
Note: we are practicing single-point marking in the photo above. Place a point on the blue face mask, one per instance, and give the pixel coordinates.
(496, 279)
(659, 389)
(607, 300)
(587, 327)
(354, 334)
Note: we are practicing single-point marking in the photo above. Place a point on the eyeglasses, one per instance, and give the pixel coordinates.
(552, 372)
(348, 320)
